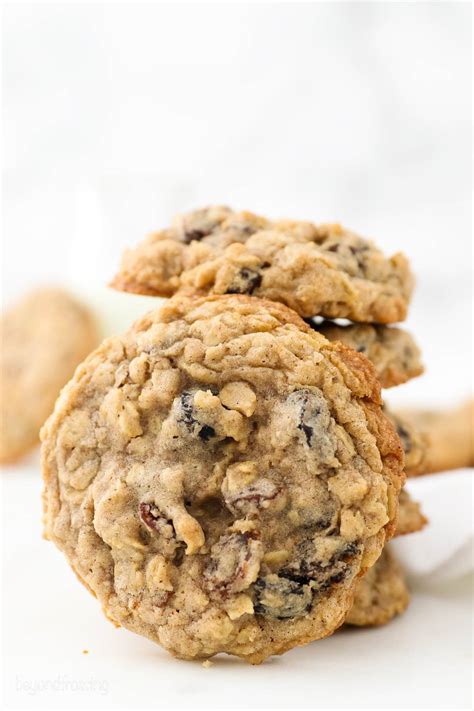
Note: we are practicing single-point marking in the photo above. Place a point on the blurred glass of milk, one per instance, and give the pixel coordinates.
(111, 214)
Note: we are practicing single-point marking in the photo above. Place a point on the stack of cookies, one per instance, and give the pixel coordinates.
(225, 476)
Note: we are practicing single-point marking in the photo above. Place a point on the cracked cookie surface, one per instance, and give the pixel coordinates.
(322, 270)
(219, 477)
(43, 338)
(393, 351)
(381, 594)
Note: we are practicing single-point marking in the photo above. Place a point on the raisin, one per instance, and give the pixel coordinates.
(187, 417)
(154, 521)
(282, 598)
(313, 420)
(347, 252)
(206, 433)
(194, 235)
(243, 228)
(187, 408)
(324, 523)
(245, 282)
(179, 555)
(200, 223)
(252, 498)
(310, 409)
(359, 254)
(234, 563)
(323, 574)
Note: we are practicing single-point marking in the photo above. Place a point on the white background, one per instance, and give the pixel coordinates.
(115, 116)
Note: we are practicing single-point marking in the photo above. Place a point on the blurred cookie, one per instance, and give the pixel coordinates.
(381, 594)
(410, 516)
(220, 475)
(415, 443)
(393, 351)
(43, 338)
(322, 270)
(449, 434)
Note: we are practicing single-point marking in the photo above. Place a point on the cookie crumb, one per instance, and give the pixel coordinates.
(85, 651)
(207, 664)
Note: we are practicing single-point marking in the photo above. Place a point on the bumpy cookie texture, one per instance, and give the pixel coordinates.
(43, 338)
(381, 594)
(321, 270)
(449, 434)
(411, 518)
(415, 442)
(219, 477)
(393, 352)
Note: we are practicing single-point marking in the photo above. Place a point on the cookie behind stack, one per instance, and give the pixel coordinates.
(43, 338)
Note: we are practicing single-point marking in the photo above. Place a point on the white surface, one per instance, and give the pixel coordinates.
(421, 660)
(116, 116)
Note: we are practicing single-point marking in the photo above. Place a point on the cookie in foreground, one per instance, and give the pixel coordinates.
(43, 337)
(317, 270)
(220, 476)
